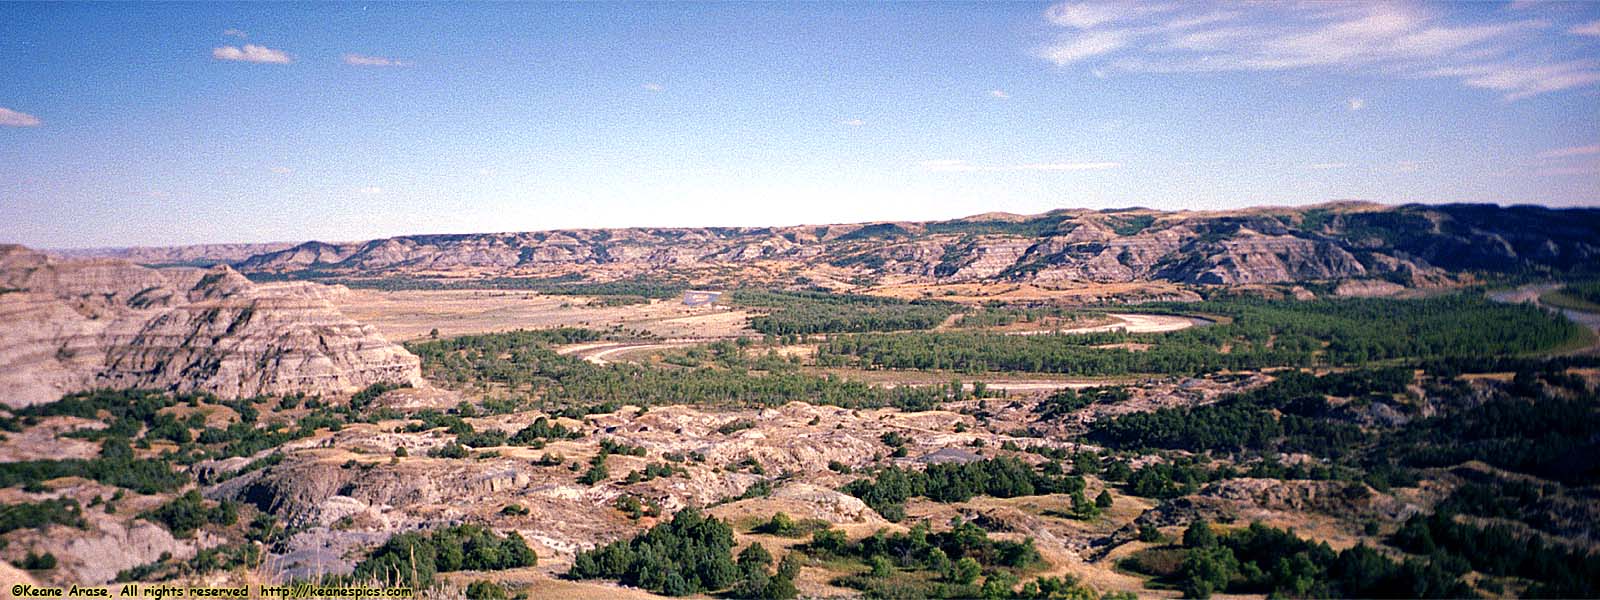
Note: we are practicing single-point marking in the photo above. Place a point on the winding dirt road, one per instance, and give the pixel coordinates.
(596, 352)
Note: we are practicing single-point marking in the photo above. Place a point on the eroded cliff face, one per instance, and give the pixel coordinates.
(1414, 246)
(73, 325)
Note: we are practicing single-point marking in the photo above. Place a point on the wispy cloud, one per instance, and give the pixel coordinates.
(1355, 103)
(1001, 94)
(1084, 45)
(653, 87)
(1067, 166)
(962, 166)
(230, 32)
(281, 170)
(1516, 54)
(1087, 15)
(1591, 167)
(363, 60)
(1525, 80)
(853, 122)
(370, 190)
(1328, 165)
(251, 53)
(11, 118)
(1571, 151)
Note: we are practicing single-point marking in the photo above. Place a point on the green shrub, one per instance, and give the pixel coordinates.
(485, 590)
(458, 548)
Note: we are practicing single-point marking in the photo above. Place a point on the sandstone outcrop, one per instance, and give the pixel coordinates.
(73, 325)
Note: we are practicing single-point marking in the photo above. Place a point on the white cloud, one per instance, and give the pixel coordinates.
(1355, 103)
(1085, 15)
(1328, 165)
(370, 190)
(251, 53)
(962, 166)
(230, 32)
(282, 170)
(1067, 166)
(1001, 94)
(1586, 168)
(11, 118)
(1522, 80)
(1084, 45)
(653, 87)
(853, 122)
(1516, 54)
(1571, 151)
(362, 60)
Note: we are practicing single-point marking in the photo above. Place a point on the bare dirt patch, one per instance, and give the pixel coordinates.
(412, 314)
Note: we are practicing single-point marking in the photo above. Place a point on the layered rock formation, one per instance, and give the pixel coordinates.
(1414, 246)
(79, 324)
(197, 255)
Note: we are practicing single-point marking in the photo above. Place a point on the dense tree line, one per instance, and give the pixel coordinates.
(954, 559)
(1556, 571)
(804, 313)
(1588, 292)
(1260, 334)
(1265, 560)
(1285, 414)
(138, 418)
(126, 413)
(1552, 437)
(186, 513)
(116, 466)
(1535, 504)
(541, 430)
(1578, 296)
(690, 554)
(1006, 477)
(1450, 367)
(535, 435)
(1000, 316)
(1068, 400)
(512, 358)
(523, 361)
(1540, 424)
(458, 548)
(36, 515)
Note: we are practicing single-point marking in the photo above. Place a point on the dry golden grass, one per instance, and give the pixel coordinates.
(539, 585)
(412, 314)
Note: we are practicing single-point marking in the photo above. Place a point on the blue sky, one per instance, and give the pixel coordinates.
(153, 124)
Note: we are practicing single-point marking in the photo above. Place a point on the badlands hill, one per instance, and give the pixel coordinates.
(1412, 245)
(73, 325)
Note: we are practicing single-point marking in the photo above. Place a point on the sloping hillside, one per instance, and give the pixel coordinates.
(76, 325)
